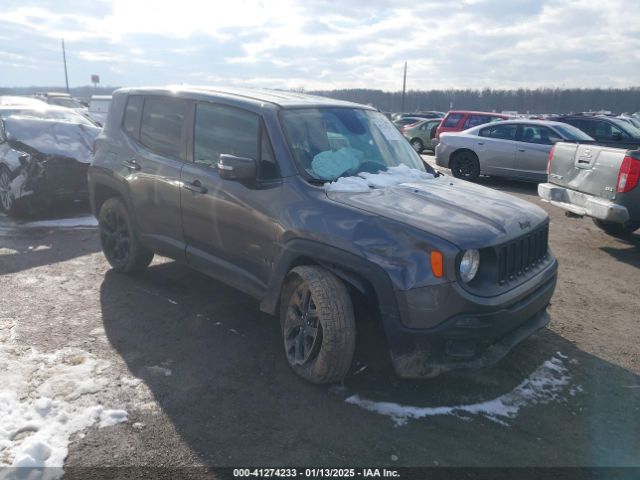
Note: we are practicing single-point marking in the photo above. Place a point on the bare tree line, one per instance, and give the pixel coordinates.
(542, 100)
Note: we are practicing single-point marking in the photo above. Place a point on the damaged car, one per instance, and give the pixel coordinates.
(42, 160)
(307, 203)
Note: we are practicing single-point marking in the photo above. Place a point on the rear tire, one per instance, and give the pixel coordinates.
(318, 325)
(119, 240)
(417, 145)
(618, 230)
(465, 165)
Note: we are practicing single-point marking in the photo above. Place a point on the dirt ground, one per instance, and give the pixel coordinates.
(201, 371)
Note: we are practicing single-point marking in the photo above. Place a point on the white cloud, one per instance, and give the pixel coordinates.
(360, 43)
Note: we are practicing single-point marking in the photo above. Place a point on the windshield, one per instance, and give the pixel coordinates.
(569, 132)
(328, 143)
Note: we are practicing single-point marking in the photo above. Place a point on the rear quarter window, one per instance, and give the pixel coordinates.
(161, 125)
(452, 120)
(131, 119)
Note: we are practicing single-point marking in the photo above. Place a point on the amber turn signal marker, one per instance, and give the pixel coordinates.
(436, 263)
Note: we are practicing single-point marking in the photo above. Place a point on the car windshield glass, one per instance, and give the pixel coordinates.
(569, 132)
(328, 143)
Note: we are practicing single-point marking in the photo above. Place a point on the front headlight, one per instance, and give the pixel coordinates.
(469, 265)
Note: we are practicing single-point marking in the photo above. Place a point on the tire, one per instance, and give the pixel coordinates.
(619, 230)
(8, 202)
(119, 240)
(464, 164)
(417, 145)
(318, 325)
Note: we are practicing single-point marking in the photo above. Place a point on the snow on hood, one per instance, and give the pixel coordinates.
(53, 137)
(365, 181)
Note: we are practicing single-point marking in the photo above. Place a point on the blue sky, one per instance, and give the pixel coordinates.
(322, 44)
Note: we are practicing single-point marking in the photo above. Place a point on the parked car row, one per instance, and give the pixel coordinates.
(588, 163)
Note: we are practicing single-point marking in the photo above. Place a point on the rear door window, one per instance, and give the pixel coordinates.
(583, 125)
(475, 120)
(131, 120)
(161, 125)
(502, 132)
(452, 120)
(538, 134)
(608, 131)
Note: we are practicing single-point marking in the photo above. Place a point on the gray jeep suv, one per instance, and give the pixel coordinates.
(303, 202)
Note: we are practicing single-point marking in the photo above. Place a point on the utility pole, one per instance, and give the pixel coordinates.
(404, 86)
(64, 60)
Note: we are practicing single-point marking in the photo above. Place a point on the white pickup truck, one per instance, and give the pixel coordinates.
(598, 182)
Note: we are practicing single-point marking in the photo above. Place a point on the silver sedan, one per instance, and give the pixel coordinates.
(511, 148)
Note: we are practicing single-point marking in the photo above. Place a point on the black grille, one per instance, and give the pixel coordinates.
(521, 255)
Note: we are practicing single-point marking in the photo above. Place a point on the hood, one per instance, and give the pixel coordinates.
(52, 137)
(465, 214)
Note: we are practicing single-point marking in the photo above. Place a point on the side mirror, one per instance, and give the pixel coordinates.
(231, 167)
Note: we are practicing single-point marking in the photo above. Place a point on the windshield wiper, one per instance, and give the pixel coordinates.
(317, 181)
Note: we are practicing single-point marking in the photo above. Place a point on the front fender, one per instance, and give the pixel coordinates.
(351, 268)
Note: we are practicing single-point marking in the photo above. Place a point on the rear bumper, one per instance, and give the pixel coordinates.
(479, 334)
(583, 204)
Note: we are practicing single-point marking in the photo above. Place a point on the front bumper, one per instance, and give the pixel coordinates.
(583, 204)
(481, 332)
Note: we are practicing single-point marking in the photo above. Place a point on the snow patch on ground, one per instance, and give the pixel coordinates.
(45, 398)
(545, 385)
(365, 181)
(88, 221)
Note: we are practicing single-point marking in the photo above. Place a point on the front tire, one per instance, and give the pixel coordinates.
(618, 230)
(119, 240)
(465, 165)
(8, 202)
(318, 325)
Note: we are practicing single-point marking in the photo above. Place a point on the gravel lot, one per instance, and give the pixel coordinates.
(201, 373)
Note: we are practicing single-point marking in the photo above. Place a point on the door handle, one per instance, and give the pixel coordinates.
(195, 186)
(480, 143)
(522, 149)
(132, 164)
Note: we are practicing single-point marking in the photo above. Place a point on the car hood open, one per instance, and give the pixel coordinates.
(465, 214)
